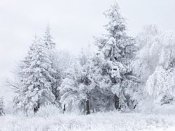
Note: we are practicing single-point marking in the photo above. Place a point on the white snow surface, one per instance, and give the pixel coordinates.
(111, 121)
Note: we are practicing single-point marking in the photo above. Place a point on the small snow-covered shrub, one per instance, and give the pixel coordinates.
(48, 110)
(167, 99)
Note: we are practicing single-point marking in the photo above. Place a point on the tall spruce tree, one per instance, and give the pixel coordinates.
(52, 53)
(48, 40)
(117, 49)
(35, 78)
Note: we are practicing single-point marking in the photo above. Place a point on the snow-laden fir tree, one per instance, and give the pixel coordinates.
(76, 88)
(102, 97)
(48, 42)
(35, 79)
(1, 107)
(118, 51)
(53, 56)
(85, 87)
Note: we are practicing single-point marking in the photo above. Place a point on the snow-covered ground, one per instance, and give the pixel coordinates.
(112, 121)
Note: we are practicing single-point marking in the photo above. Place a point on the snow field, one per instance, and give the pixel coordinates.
(112, 121)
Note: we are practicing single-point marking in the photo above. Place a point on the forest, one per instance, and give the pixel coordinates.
(125, 75)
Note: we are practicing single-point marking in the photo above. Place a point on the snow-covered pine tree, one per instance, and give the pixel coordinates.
(76, 88)
(48, 42)
(51, 46)
(118, 51)
(35, 79)
(102, 97)
(1, 107)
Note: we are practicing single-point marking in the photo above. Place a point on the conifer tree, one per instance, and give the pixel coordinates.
(35, 79)
(117, 50)
(48, 42)
(51, 46)
(76, 88)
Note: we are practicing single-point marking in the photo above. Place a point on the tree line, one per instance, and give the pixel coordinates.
(121, 75)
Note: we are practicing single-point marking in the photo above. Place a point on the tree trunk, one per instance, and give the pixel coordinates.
(116, 102)
(87, 107)
(36, 108)
(64, 108)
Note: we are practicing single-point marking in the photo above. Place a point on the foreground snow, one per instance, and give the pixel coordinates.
(112, 121)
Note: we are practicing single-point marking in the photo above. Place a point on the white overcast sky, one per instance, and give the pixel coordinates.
(73, 23)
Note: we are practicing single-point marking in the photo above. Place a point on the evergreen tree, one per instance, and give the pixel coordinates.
(101, 94)
(76, 88)
(51, 46)
(118, 50)
(35, 78)
(48, 42)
